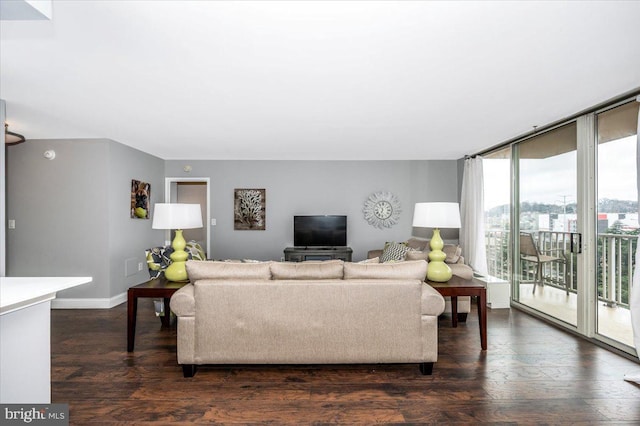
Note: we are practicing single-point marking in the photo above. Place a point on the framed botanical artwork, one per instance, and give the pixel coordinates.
(249, 208)
(140, 196)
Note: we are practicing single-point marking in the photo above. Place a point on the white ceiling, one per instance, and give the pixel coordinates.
(313, 80)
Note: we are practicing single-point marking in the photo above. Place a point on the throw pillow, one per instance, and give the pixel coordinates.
(158, 260)
(372, 260)
(195, 251)
(394, 252)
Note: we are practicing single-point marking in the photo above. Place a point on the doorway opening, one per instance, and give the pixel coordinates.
(192, 191)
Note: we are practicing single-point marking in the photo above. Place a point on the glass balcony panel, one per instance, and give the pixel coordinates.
(617, 220)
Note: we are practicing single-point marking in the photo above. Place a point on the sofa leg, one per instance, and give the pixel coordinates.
(426, 368)
(188, 370)
(462, 317)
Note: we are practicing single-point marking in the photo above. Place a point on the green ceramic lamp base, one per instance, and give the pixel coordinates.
(177, 271)
(438, 271)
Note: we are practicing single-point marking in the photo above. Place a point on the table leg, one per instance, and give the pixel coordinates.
(166, 318)
(132, 311)
(454, 311)
(482, 318)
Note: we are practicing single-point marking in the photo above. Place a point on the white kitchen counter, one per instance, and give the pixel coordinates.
(21, 292)
(25, 336)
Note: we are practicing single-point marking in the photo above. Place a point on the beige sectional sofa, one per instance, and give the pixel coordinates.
(328, 312)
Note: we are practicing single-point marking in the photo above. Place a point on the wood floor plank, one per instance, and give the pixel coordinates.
(584, 389)
(531, 373)
(283, 412)
(557, 411)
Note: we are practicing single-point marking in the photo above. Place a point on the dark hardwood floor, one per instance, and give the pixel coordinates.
(531, 373)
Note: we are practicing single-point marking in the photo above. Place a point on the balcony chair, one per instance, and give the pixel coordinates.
(529, 253)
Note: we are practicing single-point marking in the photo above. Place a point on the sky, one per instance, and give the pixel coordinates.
(553, 180)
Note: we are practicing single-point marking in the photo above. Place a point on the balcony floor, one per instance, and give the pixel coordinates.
(614, 323)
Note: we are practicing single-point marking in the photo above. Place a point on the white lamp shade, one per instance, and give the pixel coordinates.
(436, 215)
(176, 216)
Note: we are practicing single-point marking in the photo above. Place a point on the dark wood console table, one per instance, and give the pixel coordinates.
(160, 288)
(457, 286)
(300, 254)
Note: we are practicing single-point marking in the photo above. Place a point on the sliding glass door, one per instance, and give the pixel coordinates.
(545, 231)
(567, 238)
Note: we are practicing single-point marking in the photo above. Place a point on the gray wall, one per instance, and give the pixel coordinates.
(315, 187)
(128, 238)
(72, 213)
(3, 186)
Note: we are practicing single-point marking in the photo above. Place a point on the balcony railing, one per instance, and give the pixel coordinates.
(616, 262)
(497, 244)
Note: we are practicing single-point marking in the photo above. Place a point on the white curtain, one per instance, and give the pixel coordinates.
(634, 301)
(472, 215)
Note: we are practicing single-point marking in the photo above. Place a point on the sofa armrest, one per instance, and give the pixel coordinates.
(183, 302)
(461, 270)
(374, 253)
(432, 302)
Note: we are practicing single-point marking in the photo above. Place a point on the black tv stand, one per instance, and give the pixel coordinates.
(300, 254)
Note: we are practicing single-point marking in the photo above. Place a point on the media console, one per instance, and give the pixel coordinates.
(300, 254)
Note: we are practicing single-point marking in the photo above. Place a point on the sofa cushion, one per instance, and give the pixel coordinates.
(461, 270)
(374, 253)
(329, 269)
(453, 253)
(417, 255)
(419, 244)
(394, 252)
(411, 270)
(198, 270)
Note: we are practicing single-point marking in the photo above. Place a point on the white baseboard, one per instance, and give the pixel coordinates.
(92, 303)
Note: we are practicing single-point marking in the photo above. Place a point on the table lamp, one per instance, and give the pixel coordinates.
(177, 216)
(436, 216)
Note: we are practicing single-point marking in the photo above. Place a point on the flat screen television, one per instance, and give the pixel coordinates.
(320, 231)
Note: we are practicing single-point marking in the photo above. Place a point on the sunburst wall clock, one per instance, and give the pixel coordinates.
(382, 209)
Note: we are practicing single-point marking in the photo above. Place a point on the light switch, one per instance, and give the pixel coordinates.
(12, 224)
(213, 222)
